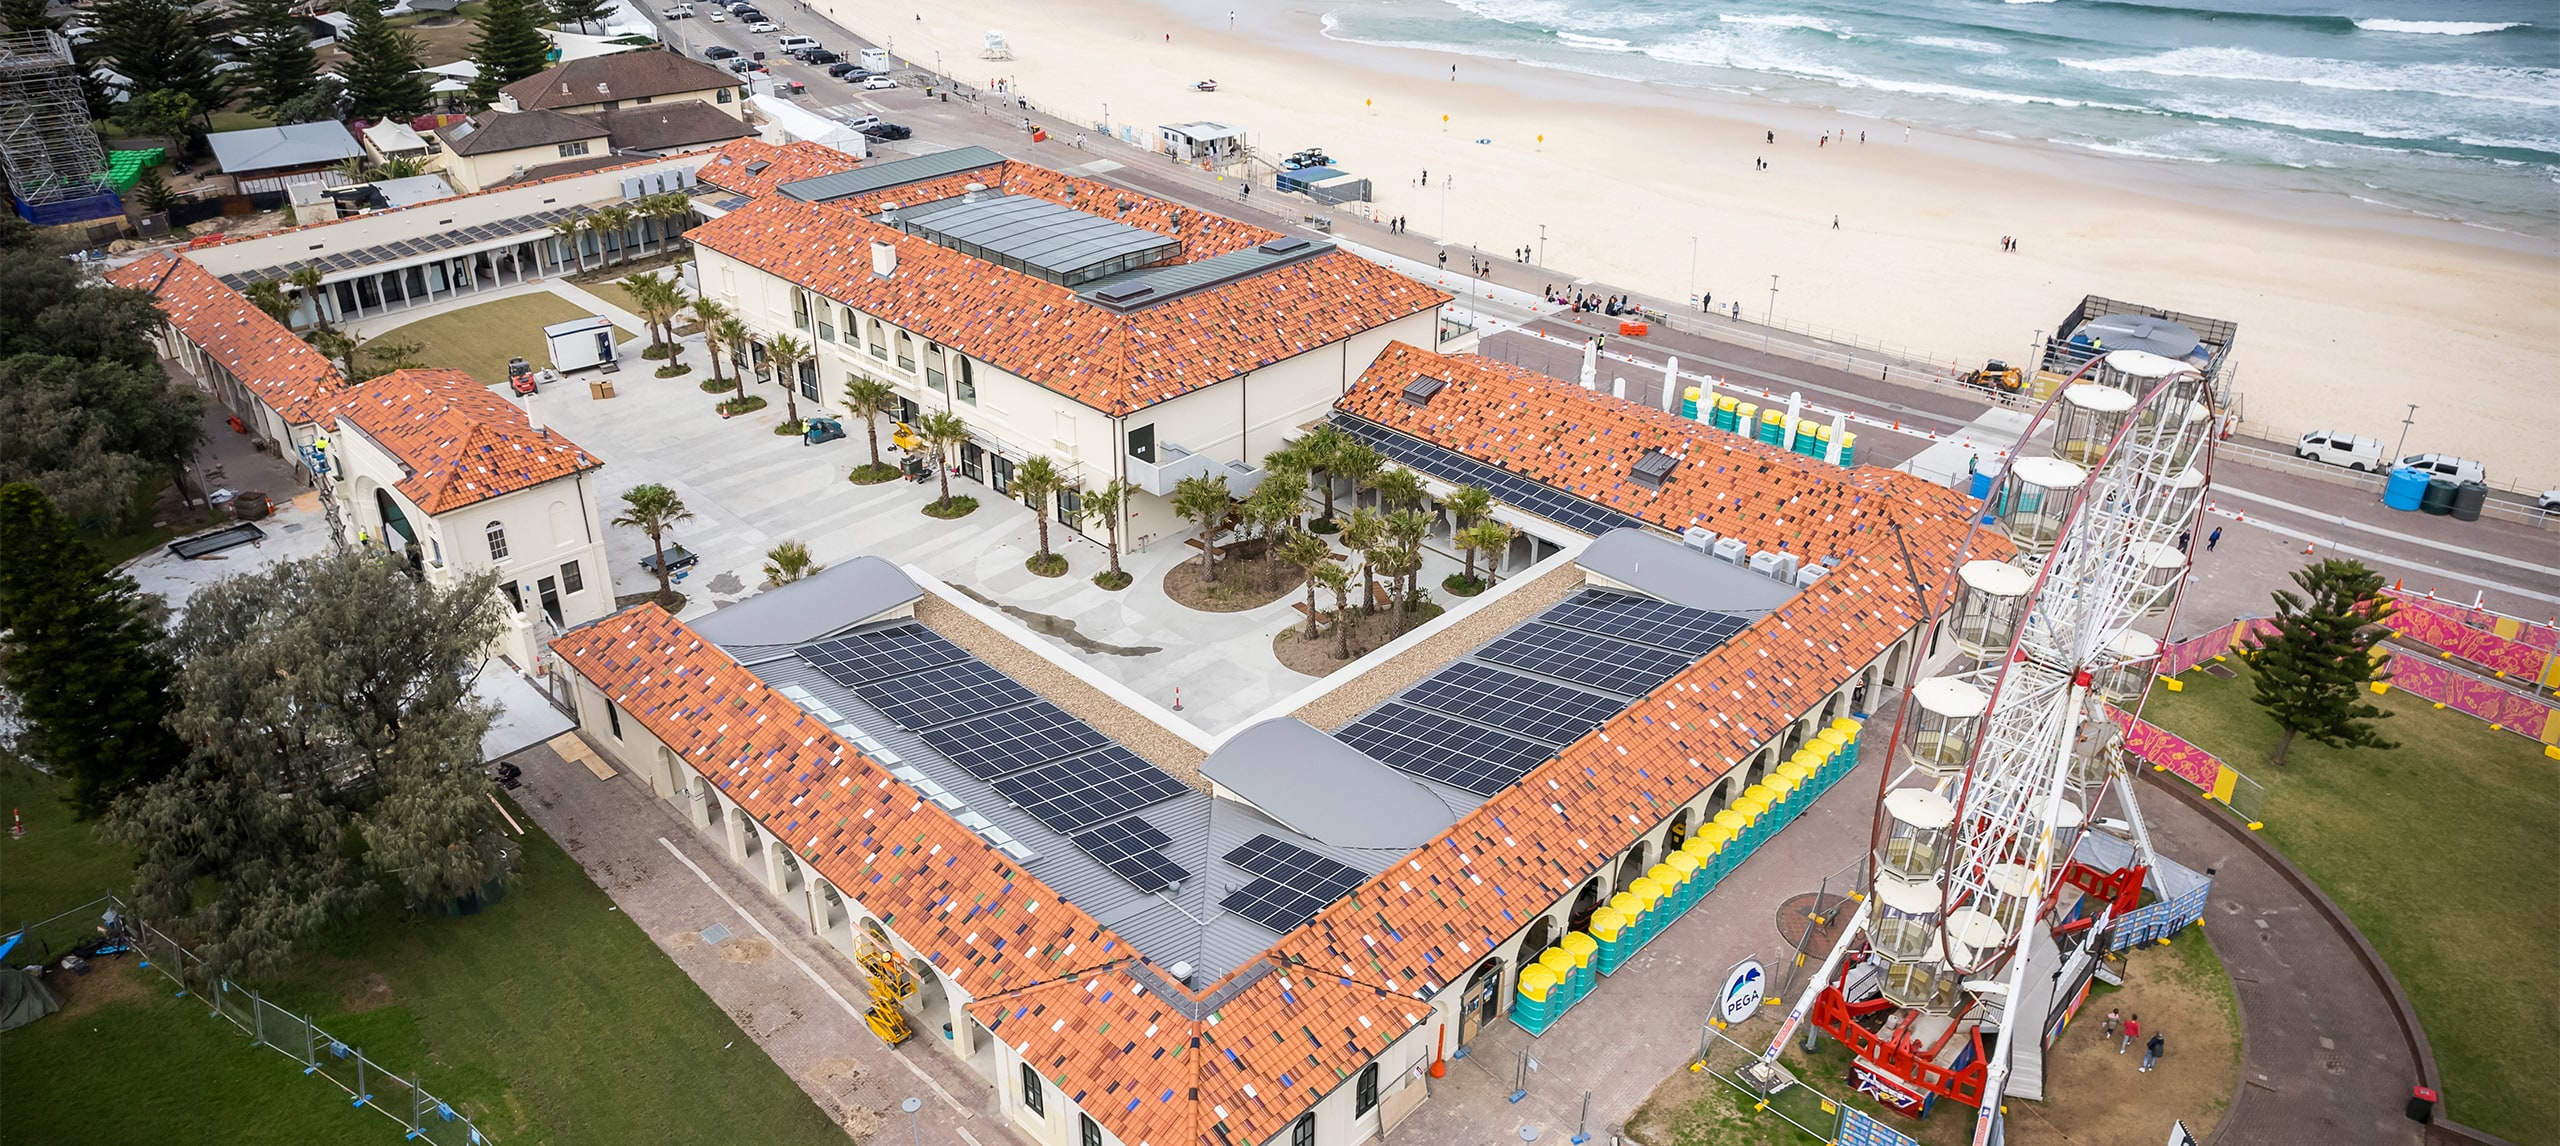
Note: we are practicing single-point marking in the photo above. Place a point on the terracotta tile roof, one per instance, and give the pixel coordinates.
(1111, 361)
(623, 76)
(727, 167)
(985, 922)
(461, 442)
(282, 370)
(1203, 233)
(1587, 443)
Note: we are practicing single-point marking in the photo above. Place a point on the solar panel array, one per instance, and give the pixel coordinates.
(1605, 663)
(1063, 771)
(1644, 620)
(1292, 883)
(1435, 747)
(1508, 488)
(1542, 710)
(1134, 850)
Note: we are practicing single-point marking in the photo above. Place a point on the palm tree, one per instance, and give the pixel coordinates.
(1035, 481)
(1272, 506)
(1488, 537)
(615, 223)
(268, 295)
(868, 398)
(336, 345)
(653, 509)
(944, 431)
(1105, 503)
(709, 312)
(1337, 580)
(1362, 532)
(787, 354)
(1409, 528)
(1356, 463)
(306, 283)
(569, 229)
(1306, 551)
(1316, 451)
(740, 338)
(1394, 561)
(1467, 503)
(789, 562)
(400, 167)
(663, 209)
(1203, 502)
(658, 302)
(1397, 486)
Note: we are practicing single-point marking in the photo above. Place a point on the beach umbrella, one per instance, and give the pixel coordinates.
(1590, 364)
(1839, 430)
(1671, 384)
(1795, 410)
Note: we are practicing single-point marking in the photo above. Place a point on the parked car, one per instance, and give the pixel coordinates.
(864, 123)
(796, 44)
(820, 56)
(742, 65)
(888, 131)
(2331, 447)
(842, 67)
(858, 73)
(2447, 465)
(679, 12)
(719, 17)
(2548, 501)
(716, 52)
(877, 83)
(762, 26)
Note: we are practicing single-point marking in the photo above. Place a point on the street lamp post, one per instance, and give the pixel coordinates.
(1542, 244)
(915, 1129)
(2405, 423)
(1693, 269)
(1445, 181)
(1106, 117)
(1767, 323)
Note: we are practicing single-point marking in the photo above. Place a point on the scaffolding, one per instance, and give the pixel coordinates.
(47, 147)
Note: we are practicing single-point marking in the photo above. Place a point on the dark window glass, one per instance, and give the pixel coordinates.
(1365, 1098)
(613, 719)
(1142, 443)
(1032, 1099)
(1304, 1133)
(1089, 1134)
(570, 579)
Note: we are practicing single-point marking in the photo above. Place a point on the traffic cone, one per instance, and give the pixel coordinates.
(17, 827)
(1177, 698)
(2306, 549)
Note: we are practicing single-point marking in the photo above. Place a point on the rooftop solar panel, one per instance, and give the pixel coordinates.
(1509, 488)
(940, 695)
(1080, 791)
(1012, 739)
(1542, 710)
(1606, 663)
(1679, 628)
(1443, 748)
(1294, 883)
(1131, 848)
(881, 653)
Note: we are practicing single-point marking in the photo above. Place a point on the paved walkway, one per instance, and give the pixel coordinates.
(2322, 1057)
(790, 992)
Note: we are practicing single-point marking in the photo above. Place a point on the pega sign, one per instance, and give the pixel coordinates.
(1743, 989)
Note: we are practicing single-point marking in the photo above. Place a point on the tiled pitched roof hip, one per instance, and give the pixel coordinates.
(624, 76)
(298, 382)
(789, 163)
(462, 443)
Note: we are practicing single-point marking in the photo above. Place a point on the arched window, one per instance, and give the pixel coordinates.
(1088, 1132)
(497, 541)
(1304, 1133)
(1365, 1097)
(1032, 1099)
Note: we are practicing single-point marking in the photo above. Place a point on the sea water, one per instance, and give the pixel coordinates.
(2441, 108)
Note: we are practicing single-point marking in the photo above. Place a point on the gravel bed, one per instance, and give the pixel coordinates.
(1067, 690)
(1337, 708)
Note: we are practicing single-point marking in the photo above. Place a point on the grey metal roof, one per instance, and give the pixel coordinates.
(1183, 278)
(828, 602)
(1034, 234)
(1660, 567)
(898, 173)
(1325, 788)
(293, 145)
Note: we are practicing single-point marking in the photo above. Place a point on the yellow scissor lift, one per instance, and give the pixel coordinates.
(890, 983)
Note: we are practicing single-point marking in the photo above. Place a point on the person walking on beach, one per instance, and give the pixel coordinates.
(2132, 1031)
(1426, 177)
(1773, 137)
(2151, 1051)
(1835, 222)
(2212, 539)
(2107, 1029)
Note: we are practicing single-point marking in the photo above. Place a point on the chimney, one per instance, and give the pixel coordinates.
(533, 417)
(884, 259)
(602, 88)
(507, 103)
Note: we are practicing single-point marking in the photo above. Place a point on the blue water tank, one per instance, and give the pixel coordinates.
(2408, 486)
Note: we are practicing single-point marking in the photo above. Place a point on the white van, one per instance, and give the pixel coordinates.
(2447, 465)
(796, 43)
(2331, 447)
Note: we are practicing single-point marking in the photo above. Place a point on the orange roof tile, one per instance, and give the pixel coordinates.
(282, 370)
(1111, 361)
(788, 163)
(968, 908)
(461, 442)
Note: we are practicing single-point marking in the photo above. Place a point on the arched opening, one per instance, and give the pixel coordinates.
(1482, 1001)
(1861, 697)
(1632, 866)
(1723, 795)
(1585, 902)
(835, 920)
(1831, 708)
(1795, 739)
(754, 834)
(931, 1003)
(396, 524)
(1759, 768)
(1677, 834)
(1540, 936)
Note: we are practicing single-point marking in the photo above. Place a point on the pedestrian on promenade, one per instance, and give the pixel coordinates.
(2212, 539)
(2107, 1029)
(2151, 1051)
(2132, 1031)
(2184, 536)
(1737, 312)
(1972, 467)
(1707, 301)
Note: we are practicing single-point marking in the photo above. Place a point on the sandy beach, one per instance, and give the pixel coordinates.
(2342, 322)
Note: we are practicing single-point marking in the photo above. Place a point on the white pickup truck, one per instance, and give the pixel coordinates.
(677, 12)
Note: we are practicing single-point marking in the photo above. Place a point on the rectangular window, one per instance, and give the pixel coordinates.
(852, 336)
(800, 309)
(826, 329)
(724, 95)
(497, 541)
(879, 342)
(1142, 443)
(933, 375)
(1070, 507)
(809, 380)
(515, 596)
(570, 579)
(967, 390)
(570, 150)
(613, 719)
(906, 352)
(1032, 1099)
(973, 461)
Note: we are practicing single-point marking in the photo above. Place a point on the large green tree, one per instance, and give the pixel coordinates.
(2312, 671)
(28, 16)
(336, 740)
(160, 46)
(92, 435)
(580, 12)
(47, 308)
(382, 66)
(80, 652)
(510, 46)
(278, 65)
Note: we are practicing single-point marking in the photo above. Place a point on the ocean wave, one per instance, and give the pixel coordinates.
(1808, 23)
(2133, 151)
(2538, 87)
(1595, 43)
(1561, 15)
(1959, 44)
(2436, 27)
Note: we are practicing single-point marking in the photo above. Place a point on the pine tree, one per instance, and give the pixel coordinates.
(28, 16)
(81, 655)
(511, 46)
(152, 191)
(158, 46)
(382, 67)
(2311, 668)
(276, 51)
(580, 12)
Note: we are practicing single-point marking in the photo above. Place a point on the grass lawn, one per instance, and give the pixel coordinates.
(2441, 851)
(480, 339)
(549, 1017)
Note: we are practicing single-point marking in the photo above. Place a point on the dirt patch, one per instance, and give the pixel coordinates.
(863, 1123)
(681, 940)
(1241, 584)
(1314, 655)
(743, 950)
(1547, 586)
(372, 992)
(108, 981)
(2099, 1095)
(1071, 692)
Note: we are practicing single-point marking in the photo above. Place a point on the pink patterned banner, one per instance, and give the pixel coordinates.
(2433, 680)
(2468, 633)
(2183, 655)
(2156, 745)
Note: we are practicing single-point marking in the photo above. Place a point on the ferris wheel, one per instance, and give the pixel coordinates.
(2005, 756)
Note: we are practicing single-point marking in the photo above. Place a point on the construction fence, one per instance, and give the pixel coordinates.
(361, 1081)
(1775, 1091)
